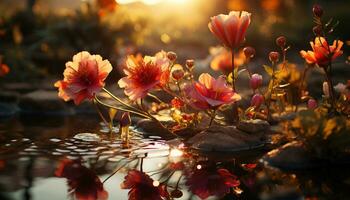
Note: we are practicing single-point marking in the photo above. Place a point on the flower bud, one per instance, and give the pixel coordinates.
(189, 64)
(317, 30)
(317, 10)
(274, 56)
(125, 120)
(325, 89)
(177, 74)
(249, 52)
(255, 81)
(257, 100)
(281, 41)
(312, 104)
(171, 56)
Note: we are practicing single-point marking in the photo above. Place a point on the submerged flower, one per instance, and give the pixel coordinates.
(210, 93)
(223, 61)
(142, 187)
(144, 75)
(211, 182)
(322, 53)
(230, 29)
(84, 183)
(83, 77)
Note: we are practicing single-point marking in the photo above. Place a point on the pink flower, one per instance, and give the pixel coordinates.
(230, 29)
(83, 77)
(142, 187)
(321, 51)
(223, 61)
(257, 100)
(255, 81)
(144, 75)
(211, 93)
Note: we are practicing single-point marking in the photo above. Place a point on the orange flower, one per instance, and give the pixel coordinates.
(321, 52)
(106, 6)
(144, 75)
(210, 93)
(223, 61)
(83, 77)
(230, 29)
(4, 69)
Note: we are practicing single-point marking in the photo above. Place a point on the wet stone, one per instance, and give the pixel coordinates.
(87, 137)
(226, 139)
(42, 101)
(253, 126)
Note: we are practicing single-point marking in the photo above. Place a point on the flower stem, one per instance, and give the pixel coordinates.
(99, 112)
(212, 118)
(234, 105)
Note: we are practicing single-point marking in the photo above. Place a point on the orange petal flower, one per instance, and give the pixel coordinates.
(230, 29)
(223, 61)
(210, 93)
(321, 52)
(4, 69)
(144, 75)
(83, 77)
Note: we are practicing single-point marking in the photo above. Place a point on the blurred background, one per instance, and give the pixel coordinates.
(38, 36)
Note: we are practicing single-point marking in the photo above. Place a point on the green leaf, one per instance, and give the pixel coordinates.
(268, 70)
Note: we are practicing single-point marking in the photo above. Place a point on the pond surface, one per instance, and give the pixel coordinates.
(76, 158)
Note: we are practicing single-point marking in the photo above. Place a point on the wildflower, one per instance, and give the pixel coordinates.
(274, 56)
(106, 6)
(317, 10)
(257, 100)
(189, 64)
(142, 186)
(83, 77)
(84, 183)
(255, 81)
(281, 41)
(4, 69)
(144, 75)
(211, 93)
(249, 52)
(223, 61)
(312, 104)
(230, 29)
(322, 53)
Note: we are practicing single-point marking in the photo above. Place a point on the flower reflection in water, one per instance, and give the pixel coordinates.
(83, 183)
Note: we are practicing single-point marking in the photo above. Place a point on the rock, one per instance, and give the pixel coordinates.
(225, 139)
(292, 156)
(253, 126)
(43, 102)
(284, 117)
(8, 109)
(150, 127)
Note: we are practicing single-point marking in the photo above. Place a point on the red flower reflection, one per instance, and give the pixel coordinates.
(83, 77)
(205, 183)
(142, 187)
(84, 183)
(210, 93)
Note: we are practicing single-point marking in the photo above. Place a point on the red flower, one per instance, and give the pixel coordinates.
(230, 29)
(84, 182)
(144, 75)
(210, 93)
(205, 183)
(142, 187)
(106, 6)
(83, 77)
(321, 52)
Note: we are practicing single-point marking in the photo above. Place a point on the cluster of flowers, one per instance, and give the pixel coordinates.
(84, 77)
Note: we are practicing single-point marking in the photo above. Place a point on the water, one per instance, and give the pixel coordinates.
(65, 158)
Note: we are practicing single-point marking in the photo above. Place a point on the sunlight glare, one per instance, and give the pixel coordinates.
(152, 2)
